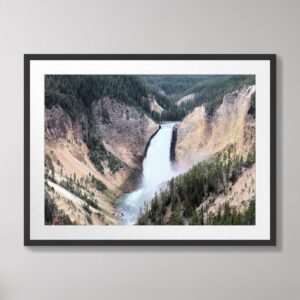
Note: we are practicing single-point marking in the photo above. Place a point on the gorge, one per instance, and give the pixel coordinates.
(126, 150)
(157, 170)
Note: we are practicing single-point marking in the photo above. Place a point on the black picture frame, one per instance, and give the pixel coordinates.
(31, 57)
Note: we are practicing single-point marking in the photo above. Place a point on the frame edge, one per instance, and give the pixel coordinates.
(270, 242)
(26, 150)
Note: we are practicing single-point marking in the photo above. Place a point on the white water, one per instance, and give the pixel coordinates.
(157, 169)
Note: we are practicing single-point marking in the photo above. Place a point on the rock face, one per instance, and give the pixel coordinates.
(200, 136)
(124, 133)
(154, 106)
(185, 99)
(238, 196)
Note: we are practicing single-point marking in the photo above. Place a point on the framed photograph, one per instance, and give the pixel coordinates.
(150, 149)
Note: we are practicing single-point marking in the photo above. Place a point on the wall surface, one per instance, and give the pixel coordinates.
(143, 26)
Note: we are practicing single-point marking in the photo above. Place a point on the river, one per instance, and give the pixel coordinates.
(157, 170)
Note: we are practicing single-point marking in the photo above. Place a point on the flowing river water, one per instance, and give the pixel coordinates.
(157, 170)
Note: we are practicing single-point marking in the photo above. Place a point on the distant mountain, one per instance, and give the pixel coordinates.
(190, 91)
(175, 85)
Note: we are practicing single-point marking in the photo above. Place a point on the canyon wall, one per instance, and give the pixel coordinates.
(200, 136)
(120, 133)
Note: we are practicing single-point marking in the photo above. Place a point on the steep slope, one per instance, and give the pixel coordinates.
(102, 171)
(220, 190)
(124, 131)
(93, 148)
(154, 106)
(220, 187)
(174, 85)
(238, 196)
(185, 99)
(212, 89)
(200, 136)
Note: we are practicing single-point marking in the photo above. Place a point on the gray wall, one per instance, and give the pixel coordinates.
(144, 26)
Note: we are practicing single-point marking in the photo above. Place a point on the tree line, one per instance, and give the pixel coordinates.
(210, 93)
(76, 93)
(178, 203)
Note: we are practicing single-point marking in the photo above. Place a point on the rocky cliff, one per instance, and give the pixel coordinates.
(125, 131)
(238, 196)
(90, 161)
(200, 136)
(185, 99)
(219, 188)
(154, 106)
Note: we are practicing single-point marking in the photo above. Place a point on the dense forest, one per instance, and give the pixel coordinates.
(179, 203)
(208, 90)
(211, 91)
(175, 85)
(75, 93)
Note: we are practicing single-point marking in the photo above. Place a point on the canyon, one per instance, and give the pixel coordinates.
(222, 144)
(109, 161)
(200, 136)
(124, 135)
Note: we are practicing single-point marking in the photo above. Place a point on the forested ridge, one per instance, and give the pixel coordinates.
(179, 202)
(210, 92)
(76, 93)
(175, 85)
